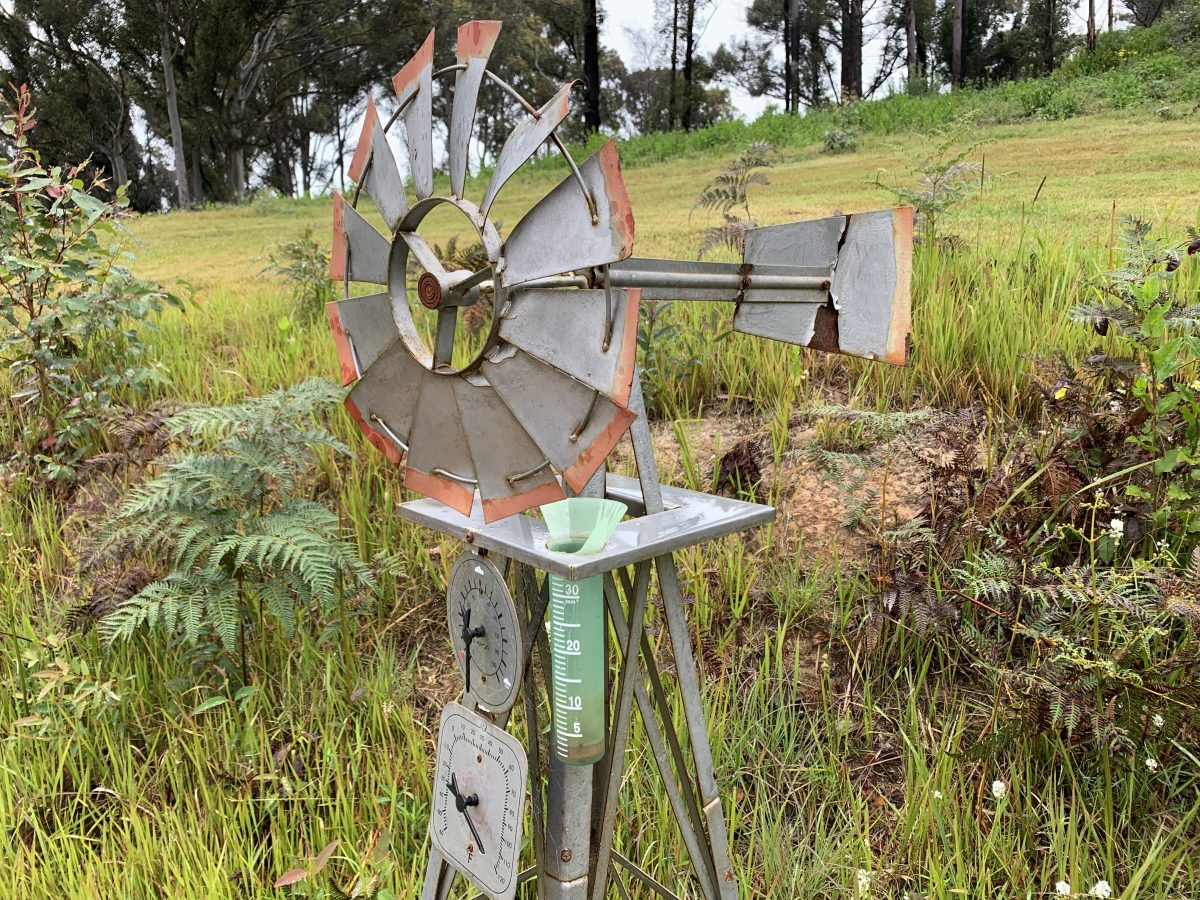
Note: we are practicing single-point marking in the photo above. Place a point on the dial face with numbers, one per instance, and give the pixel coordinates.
(478, 798)
(484, 632)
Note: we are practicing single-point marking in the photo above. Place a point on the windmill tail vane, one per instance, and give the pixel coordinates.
(546, 399)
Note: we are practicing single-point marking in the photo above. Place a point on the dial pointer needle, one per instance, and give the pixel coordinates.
(463, 804)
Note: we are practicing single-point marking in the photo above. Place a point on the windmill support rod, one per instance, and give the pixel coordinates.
(669, 279)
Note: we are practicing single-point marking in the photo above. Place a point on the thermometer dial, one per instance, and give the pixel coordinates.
(478, 798)
(485, 633)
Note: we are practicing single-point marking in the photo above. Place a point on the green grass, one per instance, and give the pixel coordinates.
(118, 784)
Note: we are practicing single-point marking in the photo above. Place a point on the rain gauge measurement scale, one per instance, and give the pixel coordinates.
(530, 421)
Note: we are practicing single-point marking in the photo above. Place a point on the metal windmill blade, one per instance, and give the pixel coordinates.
(471, 431)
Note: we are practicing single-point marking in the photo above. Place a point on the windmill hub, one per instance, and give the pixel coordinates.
(438, 289)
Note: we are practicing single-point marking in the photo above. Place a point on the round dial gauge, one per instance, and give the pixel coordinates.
(478, 798)
(484, 632)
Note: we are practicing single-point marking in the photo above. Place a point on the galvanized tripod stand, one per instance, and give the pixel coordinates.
(574, 824)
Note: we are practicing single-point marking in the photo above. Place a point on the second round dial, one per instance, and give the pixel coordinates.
(484, 632)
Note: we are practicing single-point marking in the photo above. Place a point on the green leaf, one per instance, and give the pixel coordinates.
(210, 703)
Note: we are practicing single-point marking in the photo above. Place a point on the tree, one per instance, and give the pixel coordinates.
(799, 27)
(591, 63)
(852, 49)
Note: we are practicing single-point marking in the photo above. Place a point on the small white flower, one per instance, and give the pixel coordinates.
(937, 795)
(1101, 889)
(1151, 763)
(999, 789)
(1063, 887)
(1158, 721)
(864, 882)
(1115, 406)
(1117, 529)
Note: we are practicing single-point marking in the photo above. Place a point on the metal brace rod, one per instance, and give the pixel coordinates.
(664, 279)
(630, 644)
(678, 799)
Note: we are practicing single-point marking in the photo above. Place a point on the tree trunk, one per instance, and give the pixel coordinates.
(671, 106)
(792, 31)
(910, 47)
(1091, 26)
(1048, 38)
(1110, 15)
(197, 177)
(688, 53)
(956, 52)
(852, 49)
(591, 64)
(172, 97)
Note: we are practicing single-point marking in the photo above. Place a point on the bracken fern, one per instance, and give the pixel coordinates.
(237, 534)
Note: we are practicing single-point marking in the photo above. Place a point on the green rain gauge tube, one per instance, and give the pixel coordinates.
(579, 525)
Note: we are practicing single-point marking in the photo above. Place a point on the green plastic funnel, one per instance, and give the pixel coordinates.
(579, 525)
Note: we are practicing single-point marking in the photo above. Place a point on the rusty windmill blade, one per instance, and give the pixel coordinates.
(413, 85)
(439, 458)
(524, 141)
(866, 310)
(475, 43)
(384, 401)
(362, 329)
(585, 222)
(574, 425)
(513, 473)
(360, 253)
(374, 170)
(605, 356)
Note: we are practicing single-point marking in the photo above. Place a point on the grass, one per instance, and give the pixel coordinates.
(134, 773)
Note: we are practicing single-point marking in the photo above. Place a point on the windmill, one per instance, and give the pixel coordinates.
(531, 418)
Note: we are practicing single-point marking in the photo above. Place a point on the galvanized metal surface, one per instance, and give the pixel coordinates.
(512, 472)
(690, 517)
(374, 170)
(686, 279)
(525, 139)
(475, 43)
(360, 253)
(537, 321)
(561, 233)
(414, 89)
(439, 459)
(574, 425)
(362, 330)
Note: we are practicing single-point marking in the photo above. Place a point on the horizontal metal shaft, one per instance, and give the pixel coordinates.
(649, 274)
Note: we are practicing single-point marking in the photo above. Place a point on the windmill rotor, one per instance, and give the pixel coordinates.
(541, 404)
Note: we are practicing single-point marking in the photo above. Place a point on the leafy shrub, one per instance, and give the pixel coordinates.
(241, 537)
(72, 309)
(303, 263)
(840, 140)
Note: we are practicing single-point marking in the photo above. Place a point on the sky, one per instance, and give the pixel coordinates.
(726, 20)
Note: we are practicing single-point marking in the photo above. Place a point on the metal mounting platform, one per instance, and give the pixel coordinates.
(689, 517)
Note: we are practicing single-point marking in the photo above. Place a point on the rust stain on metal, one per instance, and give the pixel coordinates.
(456, 496)
(477, 38)
(900, 331)
(593, 456)
(337, 254)
(745, 270)
(627, 361)
(825, 330)
(620, 209)
(406, 79)
(380, 441)
(363, 150)
(340, 341)
(496, 508)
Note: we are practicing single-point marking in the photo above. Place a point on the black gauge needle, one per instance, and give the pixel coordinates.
(469, 634)
(462, 804)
